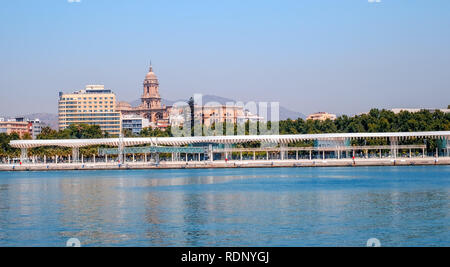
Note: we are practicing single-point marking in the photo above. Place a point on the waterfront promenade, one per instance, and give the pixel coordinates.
(329, 150)
(427, 161)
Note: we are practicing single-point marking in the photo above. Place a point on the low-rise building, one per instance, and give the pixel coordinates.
(322, 116)
(35, 127)
(17, 125)
(212, 114)
(219, 114)
(134, 123)
(2, 129)
(21, 126)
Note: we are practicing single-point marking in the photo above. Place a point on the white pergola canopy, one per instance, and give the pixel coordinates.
(181, 141)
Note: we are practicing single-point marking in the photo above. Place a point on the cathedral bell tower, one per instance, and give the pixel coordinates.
(150, 107)
(150, 97)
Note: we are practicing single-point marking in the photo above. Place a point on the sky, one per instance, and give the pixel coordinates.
(339, 56)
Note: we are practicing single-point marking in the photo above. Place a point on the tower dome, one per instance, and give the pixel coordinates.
(151, 75)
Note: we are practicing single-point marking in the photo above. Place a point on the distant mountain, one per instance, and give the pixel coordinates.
(48, 119)
(285, 113)
(290, 114)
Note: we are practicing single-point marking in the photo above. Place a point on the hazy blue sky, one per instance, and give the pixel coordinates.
(342, 56)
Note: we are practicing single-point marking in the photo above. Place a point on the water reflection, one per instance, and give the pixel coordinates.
(251, 207)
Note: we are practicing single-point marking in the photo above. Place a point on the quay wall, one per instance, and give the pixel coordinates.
(230, 164)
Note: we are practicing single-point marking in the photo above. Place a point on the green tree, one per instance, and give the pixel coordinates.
(74, 131)
(27, 136)
(5, 149)
(48, 133)
(81, 131)
(150, 132)
(127, 133)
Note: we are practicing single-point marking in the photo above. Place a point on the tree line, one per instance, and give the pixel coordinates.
(82, 131)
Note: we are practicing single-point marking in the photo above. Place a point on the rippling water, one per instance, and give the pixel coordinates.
(401, 206)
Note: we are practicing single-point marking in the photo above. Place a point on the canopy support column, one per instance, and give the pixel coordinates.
(76, 154)
(24, 155)
(394, 144)
(210, 153)
(282, 151)
(121, 150)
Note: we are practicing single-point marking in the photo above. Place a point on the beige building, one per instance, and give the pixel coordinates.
(219, 114)
(21, 126)
(94, 105)
(210, 114)
(150, 107)
(18, 126)
(321, 116)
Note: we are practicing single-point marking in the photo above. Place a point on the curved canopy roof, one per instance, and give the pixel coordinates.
(180, 141)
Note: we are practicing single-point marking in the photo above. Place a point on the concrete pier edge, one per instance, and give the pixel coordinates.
(230, 164)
